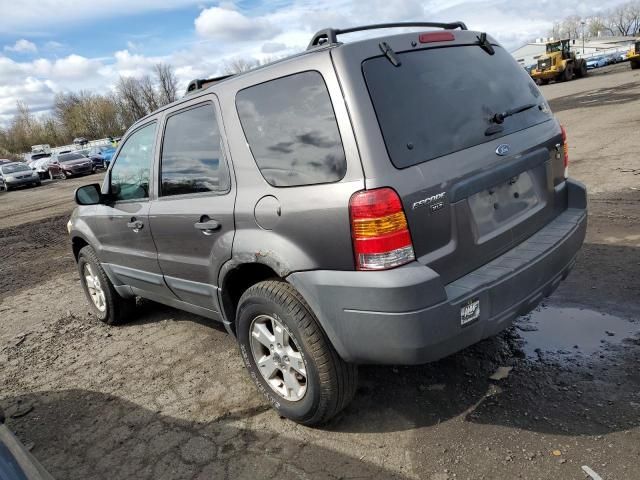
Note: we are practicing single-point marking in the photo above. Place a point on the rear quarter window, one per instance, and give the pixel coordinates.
(291, 129)
(440, 100)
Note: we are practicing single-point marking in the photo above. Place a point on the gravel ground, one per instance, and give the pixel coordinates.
(167, 395)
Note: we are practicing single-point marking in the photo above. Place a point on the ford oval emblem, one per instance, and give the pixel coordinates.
(503, 149)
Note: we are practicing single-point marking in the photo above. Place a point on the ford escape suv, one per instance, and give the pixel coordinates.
(389, 200)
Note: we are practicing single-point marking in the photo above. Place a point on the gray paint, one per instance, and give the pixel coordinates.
(303, 233)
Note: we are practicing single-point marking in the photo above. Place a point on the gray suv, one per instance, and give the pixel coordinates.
(388, 201)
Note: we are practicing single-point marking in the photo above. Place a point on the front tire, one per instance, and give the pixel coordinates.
(289, 357)
(103, 299)
(63, 175)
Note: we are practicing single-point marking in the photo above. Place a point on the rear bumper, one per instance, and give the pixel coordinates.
(407, 316)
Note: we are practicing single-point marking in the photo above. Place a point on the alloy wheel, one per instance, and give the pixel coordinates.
(278, 357)
(94, 287)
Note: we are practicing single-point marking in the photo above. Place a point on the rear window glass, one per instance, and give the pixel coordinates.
(440, 100)
(292, 131)
(70, 156)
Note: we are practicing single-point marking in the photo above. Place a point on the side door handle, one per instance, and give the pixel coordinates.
(135, 224)
(207, 226)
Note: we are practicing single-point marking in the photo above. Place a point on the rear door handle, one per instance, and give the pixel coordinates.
(136, 225)
(207, 226)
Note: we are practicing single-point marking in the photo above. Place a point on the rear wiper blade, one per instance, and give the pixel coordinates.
(389, 53)
(485, 44)
(499, 117)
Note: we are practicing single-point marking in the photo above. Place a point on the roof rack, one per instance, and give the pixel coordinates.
(330, 35)
(200, 83)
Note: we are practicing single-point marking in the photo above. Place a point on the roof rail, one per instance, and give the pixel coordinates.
(330, 35)
(200, 83)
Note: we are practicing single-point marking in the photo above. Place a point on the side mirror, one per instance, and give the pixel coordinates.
(88, 195)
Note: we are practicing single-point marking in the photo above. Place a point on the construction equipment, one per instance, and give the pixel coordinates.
(559, 63)
(634, 55)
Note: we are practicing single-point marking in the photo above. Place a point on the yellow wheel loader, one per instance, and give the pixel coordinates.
(559, 63)
(634, 55)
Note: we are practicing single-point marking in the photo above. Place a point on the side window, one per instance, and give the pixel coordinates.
(192, 160)
(291, 129)
(130, 173)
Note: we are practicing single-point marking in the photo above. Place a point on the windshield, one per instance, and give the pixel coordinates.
(69, 157)
(16, 167)
(442, 100)
(554, 47)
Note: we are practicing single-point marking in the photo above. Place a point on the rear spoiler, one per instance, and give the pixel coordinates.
(330, 35)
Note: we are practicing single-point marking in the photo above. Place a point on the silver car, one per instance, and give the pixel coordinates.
(17, 174)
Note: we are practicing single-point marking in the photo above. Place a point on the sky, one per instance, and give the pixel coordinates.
(51, 46)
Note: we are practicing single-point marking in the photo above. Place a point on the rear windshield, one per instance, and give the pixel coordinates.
(441, 100)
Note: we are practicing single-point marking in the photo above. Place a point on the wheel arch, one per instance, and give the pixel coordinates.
(235, 278)
(78, 242)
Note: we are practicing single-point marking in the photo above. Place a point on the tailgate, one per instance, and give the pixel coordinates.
(475, 151)
(461, 222)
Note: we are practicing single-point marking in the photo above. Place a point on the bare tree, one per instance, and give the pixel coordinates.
(239, 65)
(625, 18)
(130, 98)
(167, 83)
(149, 94)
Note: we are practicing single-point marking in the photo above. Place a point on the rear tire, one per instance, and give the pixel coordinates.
(109, 307)
(635, 65)
(299, 354)
(63, 175)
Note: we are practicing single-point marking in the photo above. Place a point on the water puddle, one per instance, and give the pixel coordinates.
(551, 330)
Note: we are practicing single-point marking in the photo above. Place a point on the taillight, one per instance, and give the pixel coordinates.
(565, 149)
(379, 230)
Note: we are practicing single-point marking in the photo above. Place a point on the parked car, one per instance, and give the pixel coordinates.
(596, 62)
(5, 160)
(17, 174)
(80, 141)
(46, 166)
(101, 156)
(365, 203)
(16, 462)
(74, 164)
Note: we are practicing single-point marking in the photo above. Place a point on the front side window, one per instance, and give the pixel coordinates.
(292, 131)
(192, 160)
(130, 173)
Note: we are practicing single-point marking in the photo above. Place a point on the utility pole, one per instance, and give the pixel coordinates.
(583, 23)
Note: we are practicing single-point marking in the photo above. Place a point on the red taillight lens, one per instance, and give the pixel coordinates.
(565, 150)
(379, 230)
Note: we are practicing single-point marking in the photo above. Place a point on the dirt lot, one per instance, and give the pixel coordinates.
(167, 395)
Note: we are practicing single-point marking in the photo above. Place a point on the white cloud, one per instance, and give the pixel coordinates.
(22, 46)
(272, 47)
(226, 24)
